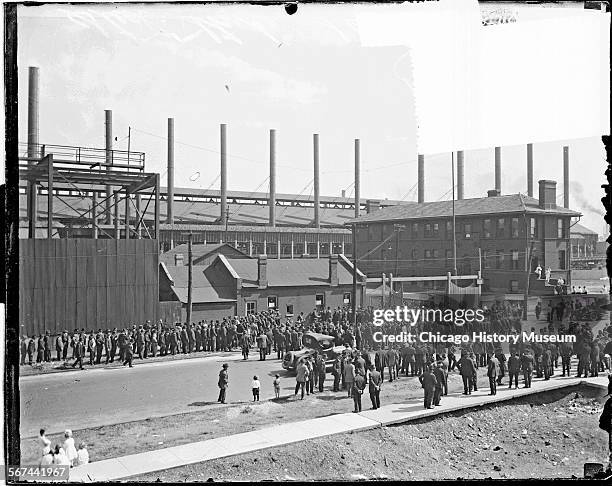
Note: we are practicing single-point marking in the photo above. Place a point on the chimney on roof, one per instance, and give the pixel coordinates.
(530, 169)
(372, 205)
(460, 171)
(548, 194)
(317, 203)
(333, 270)
(272, 200)
(223, 216)
(421, 178)
(492, 193)
(262, 271)
(179, 259)
(343, 193)
(498, 169)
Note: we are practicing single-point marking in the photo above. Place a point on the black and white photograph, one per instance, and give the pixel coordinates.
(290, 241)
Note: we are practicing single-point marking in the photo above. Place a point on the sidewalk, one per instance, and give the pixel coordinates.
(136, 464)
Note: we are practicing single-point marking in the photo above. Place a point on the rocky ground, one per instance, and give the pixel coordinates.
(550, 435)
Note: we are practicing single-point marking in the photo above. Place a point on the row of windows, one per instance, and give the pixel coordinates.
(272, 304)
(491, 228)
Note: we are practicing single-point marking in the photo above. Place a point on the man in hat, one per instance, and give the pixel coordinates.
(65, 343)
(223, 382)
(438, 372)
(108, 344)
(113, 348)
(492, 374)
(99, 345)
(428, 382)
(514, 367)
(528, 364)
(129, 353)
(59, 347)
(79, 352)
(467, 369)
(375, 384)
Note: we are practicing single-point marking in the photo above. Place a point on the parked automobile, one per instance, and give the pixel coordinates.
(313, 341)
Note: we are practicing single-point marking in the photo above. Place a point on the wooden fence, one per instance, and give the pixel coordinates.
(86, 283)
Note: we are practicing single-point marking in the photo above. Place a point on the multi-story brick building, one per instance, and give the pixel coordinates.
(494, 234)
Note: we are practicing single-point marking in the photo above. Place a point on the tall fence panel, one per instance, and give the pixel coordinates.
(86, 284)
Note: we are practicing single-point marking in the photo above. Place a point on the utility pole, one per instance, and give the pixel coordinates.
(226, 223)
(189, 278)
(354, 299)
(527, 275)
(454, 230)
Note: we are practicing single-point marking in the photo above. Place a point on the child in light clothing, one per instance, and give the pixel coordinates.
(276, 384)
(82, 455)
(69, 447)
(255, 385)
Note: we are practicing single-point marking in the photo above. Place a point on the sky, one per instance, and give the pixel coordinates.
(256, 68)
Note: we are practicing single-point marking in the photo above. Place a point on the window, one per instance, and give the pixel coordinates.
(515, 260)
(499, 261)
(324, 248)
(467, 230)
(289, 310)
(272, 302)
(272, 248)
(346, 298)
(486, 228)
(514, 285)
(436, 253)
(243, 246)
(449, 230)
(251, 307)
(298, 249)
(257, 249)
(336, 248)
(533, 228)
(449, 257)
(348, 249)
(415, 230)
(427, 230)
(560, 228)
(414, 255)
(375, 232)
(485, 259)
(319, 300)
(311, 249)
(436, 230)
(515, 227)
(562, 265)
(286, 249)
(501, 228)
(427, 253)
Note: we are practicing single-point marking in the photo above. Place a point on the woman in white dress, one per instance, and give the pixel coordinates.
(44, 443)
(83, 455)
(47, 459)
(69, 447)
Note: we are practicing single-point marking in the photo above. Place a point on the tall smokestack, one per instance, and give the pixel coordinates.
(357, 180)
(460, 169)
(530, 169)
(33, 145)
(108, 123)
(170, 194)
(315, 148)
(566, 177)
(421, 179)
(223, 174)
(498, 169)
(272, 200)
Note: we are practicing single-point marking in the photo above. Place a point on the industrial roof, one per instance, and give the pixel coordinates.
(292, 273)
(198, 251)
(512, 203)
(204, 291)
(196, 212)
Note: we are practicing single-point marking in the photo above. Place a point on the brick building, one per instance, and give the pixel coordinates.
(493, 234)
(240, 286)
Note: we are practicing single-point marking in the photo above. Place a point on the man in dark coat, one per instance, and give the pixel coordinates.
(380, 361)
(429, 383)
(59, 347)
(65, 344)
(438, 372)
(185, 340)
(31, 349)
(566, 350)
(375, 385)
(595, 358)
(391, 359)
(492, 372)
(514, 368)
(47, 351)
(337, 373)
(129, 353)
(279, 342)
(467, 369)
(320, 370)
(122, 342)
(262, 344)
(79, 352)
(528, 364)
(358, 386)
(223, 383)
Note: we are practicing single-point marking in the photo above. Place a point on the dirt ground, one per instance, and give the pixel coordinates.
(550, 435)
(221, 420)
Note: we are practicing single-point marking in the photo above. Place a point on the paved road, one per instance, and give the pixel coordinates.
(96, 397)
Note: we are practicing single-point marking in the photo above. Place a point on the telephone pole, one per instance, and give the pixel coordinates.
(189, 278)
